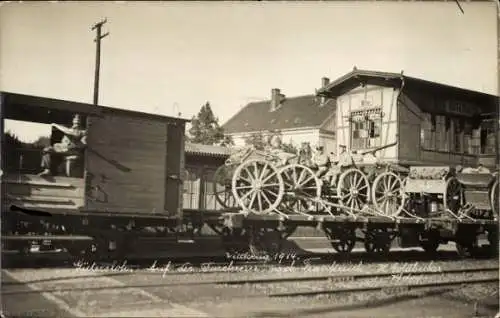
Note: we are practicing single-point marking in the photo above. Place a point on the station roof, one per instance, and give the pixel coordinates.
(206, 150)
(358, 76)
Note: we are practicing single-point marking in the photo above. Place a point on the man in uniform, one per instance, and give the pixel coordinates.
(321, 161)
(276, 149)
(73, 141)
(345, 158)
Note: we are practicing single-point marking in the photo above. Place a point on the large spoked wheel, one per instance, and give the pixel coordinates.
(494, 198)
(353, 190)
(388, 194)
(452, 196)
(222, 187)
(301, 187)
(257, 186)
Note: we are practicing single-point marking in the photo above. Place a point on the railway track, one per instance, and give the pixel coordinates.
(336, 278)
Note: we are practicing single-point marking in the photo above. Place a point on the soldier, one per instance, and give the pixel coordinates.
(276, 149)
(321, 162)
(73, 141)
(345, 158)
(334, 171)
(305, 154)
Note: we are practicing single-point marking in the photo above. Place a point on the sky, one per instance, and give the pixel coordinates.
(172, 57)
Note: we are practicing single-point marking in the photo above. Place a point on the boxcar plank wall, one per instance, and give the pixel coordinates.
(174, 163)
(126, 159)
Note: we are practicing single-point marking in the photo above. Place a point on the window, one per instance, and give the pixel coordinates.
(210, 200)
(191, 193)
(468, 145)
(458, 137)
(366, 129)
(488, 145)
(428, 131)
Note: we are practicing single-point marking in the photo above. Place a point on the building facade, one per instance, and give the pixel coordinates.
(298, 119)
(415, 122)
(201, 162)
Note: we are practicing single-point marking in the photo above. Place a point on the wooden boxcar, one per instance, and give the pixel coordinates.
(127, 176)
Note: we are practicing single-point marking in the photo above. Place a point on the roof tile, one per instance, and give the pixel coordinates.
(294, 112)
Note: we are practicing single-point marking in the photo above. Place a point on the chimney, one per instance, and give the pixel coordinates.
(324, 82)
(275, 98)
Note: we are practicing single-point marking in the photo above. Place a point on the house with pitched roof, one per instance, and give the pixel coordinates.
(298, 119)
(412, 121)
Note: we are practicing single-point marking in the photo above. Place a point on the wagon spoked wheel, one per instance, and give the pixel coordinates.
(222, 188)
(452, 195)
(301, 187)
(353, 190)
(388, 193)
(257, 186)
(494, 198)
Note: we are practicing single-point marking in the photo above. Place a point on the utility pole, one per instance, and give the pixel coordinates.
(99, 37)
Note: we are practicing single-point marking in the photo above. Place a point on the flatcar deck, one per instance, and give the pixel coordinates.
(312, 219)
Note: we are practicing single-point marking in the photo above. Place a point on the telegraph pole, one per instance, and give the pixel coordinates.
(99, 37)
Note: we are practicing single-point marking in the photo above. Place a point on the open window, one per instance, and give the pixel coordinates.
(29, 137)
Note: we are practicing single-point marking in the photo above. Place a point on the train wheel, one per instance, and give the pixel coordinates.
(378, 241)
(494, 242)
(235, 240)
(452, 196)
(353, 190)
(301, 185)
(222, 188)
(343, 242)
(265, 242)
(429, 241)
(257, 186)
(494, 198)
(388, 193)
(467, 250)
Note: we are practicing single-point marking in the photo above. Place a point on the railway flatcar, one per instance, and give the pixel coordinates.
(103, 176)
(400, 143)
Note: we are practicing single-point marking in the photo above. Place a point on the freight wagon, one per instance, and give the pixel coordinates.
(111, 177)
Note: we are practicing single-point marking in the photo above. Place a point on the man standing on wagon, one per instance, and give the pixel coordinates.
(321, 162)
(73, 141)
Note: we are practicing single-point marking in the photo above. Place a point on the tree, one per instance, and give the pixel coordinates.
(205, 128)
(257, 139)
(41, 142)
(260, 140)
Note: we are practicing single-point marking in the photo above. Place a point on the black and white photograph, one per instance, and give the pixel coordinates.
(250, 159)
